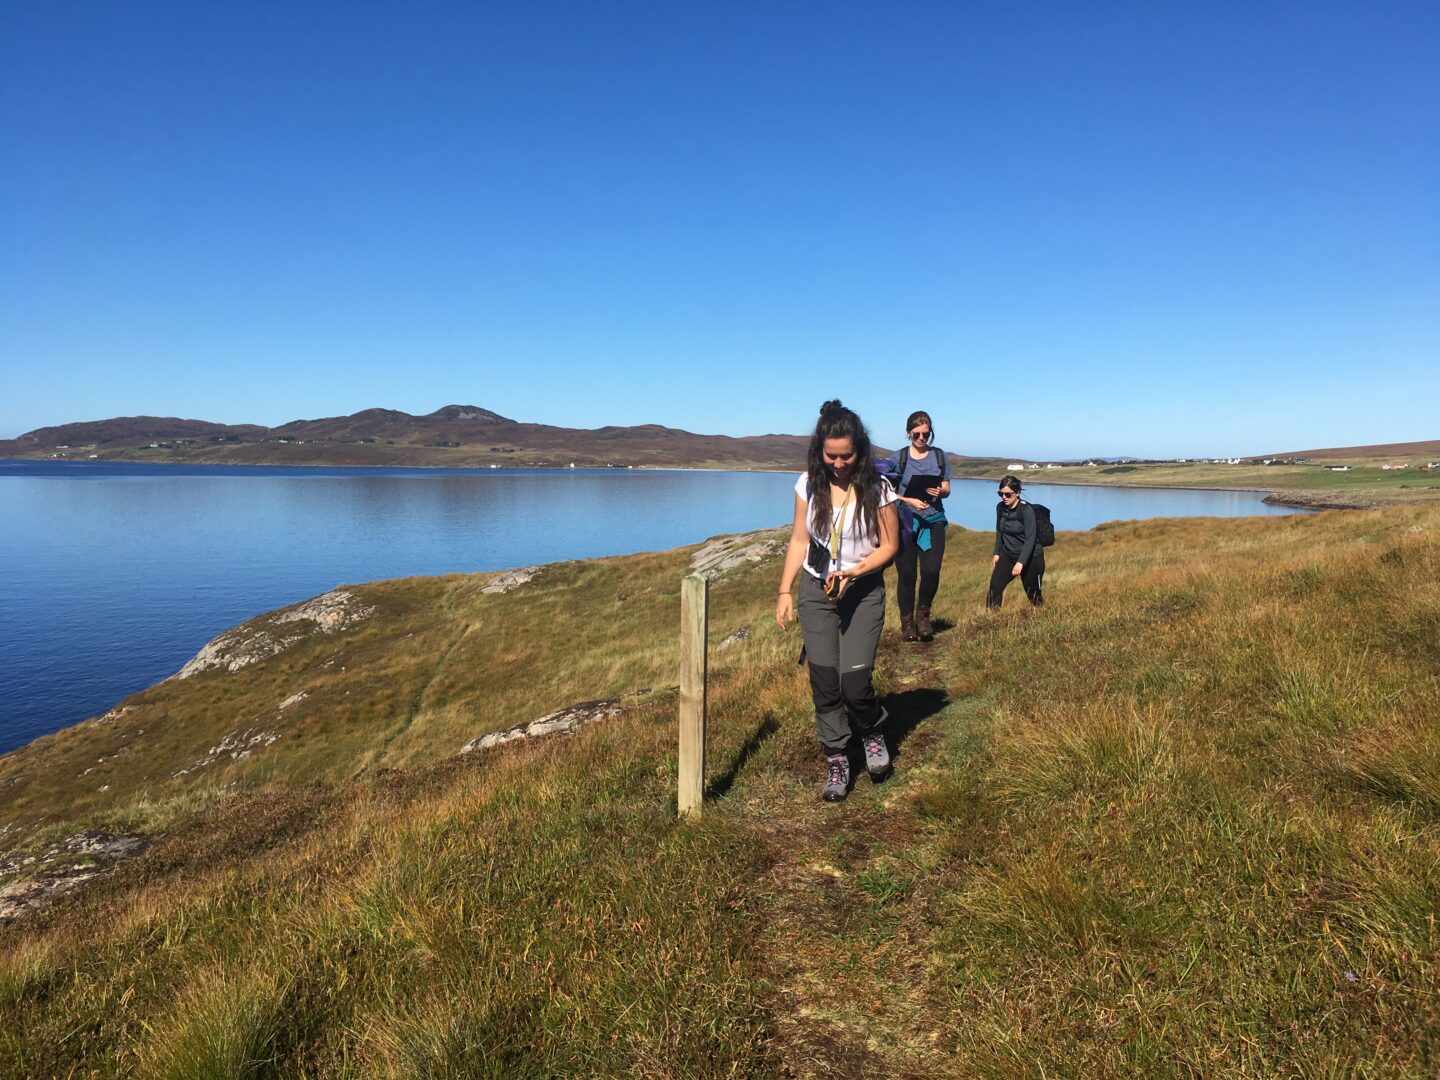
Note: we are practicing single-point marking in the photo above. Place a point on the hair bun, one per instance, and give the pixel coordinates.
(833, 406)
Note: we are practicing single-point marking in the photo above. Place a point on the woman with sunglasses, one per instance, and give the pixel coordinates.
(843, 535)
(922, 526)
(1017, 551)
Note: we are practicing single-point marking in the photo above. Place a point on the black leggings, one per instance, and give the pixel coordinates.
(1029, 577)
(929, 565)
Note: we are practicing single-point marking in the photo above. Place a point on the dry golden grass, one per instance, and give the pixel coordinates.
(1184, 821)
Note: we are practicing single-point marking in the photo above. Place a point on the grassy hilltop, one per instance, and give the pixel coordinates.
(1185, 821)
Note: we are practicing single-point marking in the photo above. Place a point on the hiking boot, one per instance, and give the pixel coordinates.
(837, 778)
(907, 629)
(877, 754)
(922, 624)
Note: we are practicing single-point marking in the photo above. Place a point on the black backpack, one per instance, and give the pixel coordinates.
(1044, 529)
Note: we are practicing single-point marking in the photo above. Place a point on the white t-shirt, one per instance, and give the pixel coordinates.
(855, 543)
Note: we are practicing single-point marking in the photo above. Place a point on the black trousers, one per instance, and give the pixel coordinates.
(1029, 577)
(928, 563)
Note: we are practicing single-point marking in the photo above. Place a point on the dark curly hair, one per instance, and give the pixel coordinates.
(838, 422)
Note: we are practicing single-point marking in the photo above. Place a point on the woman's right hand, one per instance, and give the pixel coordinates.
(994, 561)
(914, 504)
(785, 609)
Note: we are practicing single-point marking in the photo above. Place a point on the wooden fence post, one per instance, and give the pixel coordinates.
(694, 626)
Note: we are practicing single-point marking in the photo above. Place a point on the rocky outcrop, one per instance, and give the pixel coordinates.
(566, 721)
(236, 746)
(503, 583)
(61, 867)
(263, 638)
(735, 638)
(719, 556)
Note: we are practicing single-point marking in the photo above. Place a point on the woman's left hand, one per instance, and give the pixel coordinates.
(1018, 567)
(934, 492)
(914, 504)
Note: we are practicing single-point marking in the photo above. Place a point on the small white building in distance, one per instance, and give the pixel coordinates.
(1337, 468)
(1395, 465)
(1015, 468)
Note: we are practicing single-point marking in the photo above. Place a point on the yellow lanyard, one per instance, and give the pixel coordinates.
(837, 527)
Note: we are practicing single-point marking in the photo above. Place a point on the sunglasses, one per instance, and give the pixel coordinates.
(919, 436)
(1007, 494)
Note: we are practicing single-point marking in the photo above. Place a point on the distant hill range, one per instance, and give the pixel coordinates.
(1399, 451)
(457, 435)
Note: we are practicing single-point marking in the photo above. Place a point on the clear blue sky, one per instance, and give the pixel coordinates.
(1064, 229)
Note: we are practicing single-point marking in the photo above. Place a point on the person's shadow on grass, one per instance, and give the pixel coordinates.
(908, 709)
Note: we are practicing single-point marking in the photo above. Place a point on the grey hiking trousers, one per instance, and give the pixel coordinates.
(840, 643)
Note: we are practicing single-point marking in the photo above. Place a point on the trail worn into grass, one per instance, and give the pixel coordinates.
(846, 924)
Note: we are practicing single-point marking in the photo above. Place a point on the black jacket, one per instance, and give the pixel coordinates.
(1015, 531)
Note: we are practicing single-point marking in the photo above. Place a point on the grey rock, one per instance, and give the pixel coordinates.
(237, 746)
(717, 557)
(735, 638)
(510, 579)
(55, 872)
(248, 644)
(565, 721)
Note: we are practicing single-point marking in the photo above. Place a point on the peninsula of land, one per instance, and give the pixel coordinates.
(467, 436)
(455, 436)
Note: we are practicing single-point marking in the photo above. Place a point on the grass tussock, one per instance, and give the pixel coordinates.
(223, 1025)
(1180, 822)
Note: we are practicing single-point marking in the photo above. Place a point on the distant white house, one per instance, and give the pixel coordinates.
(1016, 468)
(1433, 465)
(1337, 468)
(1396, 465)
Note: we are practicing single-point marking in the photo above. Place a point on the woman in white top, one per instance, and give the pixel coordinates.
(845, 533)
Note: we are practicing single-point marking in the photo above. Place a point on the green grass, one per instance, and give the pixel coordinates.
(1184, 821)
(1365, 485)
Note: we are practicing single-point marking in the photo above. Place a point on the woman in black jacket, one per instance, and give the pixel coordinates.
(1017, 549)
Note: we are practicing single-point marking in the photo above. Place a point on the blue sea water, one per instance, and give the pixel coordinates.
(113, 575)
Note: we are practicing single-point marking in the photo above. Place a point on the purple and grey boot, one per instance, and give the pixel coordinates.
(837, 777)
(877, 754)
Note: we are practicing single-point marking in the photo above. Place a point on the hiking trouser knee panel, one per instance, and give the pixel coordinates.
(861, 703)
(825, 688)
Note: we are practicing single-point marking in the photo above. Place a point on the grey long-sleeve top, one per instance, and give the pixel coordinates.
(1015, 531)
